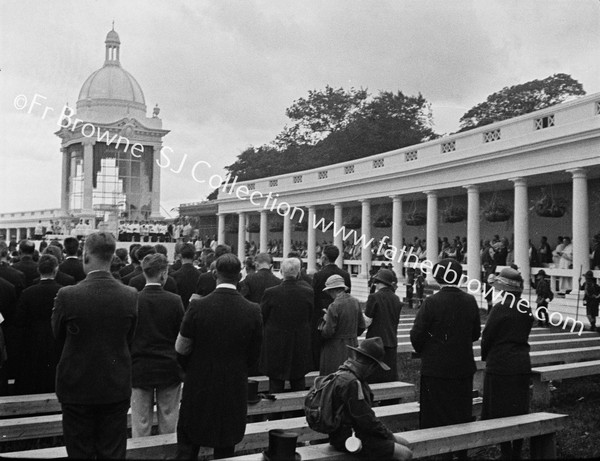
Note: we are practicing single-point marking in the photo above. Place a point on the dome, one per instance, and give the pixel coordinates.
(112, 37)
(112, 82)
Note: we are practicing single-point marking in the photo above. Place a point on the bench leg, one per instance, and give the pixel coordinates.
(478, 381)
(543, 446)
(541, 391)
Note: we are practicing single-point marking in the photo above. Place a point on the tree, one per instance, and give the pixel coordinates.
(521, 99)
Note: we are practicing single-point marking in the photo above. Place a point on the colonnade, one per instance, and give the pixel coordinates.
(580, 227)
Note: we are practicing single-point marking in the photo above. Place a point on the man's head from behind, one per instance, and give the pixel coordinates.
(133, 248)
(263, 261)
(26, 247)
(54, 251)
(98, 251)
(143, 251)
(187, 252)
(71, 245)
(47, 266)
(155, 268)
(228, 268)
(290, 268)
(222, 249)
(331, 253)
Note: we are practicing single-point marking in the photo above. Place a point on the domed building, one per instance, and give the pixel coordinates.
(110, 147)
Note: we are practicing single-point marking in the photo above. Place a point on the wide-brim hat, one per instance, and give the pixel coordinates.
(335, 281)
(541, 273)
(508, 280)
(253, 396)
(385, 276)
(447, 271)
(373, 349)
(282, 446)
(589, 275)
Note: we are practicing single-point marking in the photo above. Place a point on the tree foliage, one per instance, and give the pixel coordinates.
(336, 125)
(521, 99)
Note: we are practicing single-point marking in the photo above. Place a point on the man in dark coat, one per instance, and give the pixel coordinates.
(222, 334)
(286, 310)
(155, 368)
(443, 333)
(61, 278)
(95, 320)
(254, 285)
(322, 299)
(134, 261)
(37, 370)
(382, 315)
(187, 276)
(9, 273)
(26, 263)
(138, 255)
(8, 300)
(72, 265)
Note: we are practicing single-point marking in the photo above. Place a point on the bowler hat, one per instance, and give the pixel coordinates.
(509, 280)
(373, 349)
(253, 396)
(384, 276)
(541, 273)
(282, 446)
(447, 271)
(589, 275)
(334, 281)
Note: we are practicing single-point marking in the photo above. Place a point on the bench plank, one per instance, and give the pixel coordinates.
(568, 370)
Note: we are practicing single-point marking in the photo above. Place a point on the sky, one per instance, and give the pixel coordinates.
(223, 72)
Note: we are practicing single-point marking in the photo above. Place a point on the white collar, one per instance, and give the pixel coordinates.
(227, 285)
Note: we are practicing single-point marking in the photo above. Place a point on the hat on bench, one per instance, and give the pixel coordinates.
(282, 446)
(253, 396)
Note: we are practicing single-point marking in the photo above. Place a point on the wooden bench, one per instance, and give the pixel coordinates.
(39, 404)
(51, 425)
(540, 427)
(543, 375)
(543, 358)
(255, 437)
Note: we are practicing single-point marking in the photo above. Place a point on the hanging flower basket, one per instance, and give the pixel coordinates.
(277, 227)
(383, 221)
(352, 223)
(454, 214)
(301, 226)
(497, 212)
(548, 207)
(253, 228)
(415, 219)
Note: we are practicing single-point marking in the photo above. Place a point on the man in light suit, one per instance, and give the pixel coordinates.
(221, 335)
(96, 321)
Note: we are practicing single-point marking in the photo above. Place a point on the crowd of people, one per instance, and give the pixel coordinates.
(108, 329)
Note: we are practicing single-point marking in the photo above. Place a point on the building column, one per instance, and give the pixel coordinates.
(287, 235)
(221, 229)
(432, 227)
(262, 245)
(64, 190)
(246, 224)
(521, 229)
(155, 196)
(580, 222)
(397, 234)
(473, 234)
(338, 241)
(241, 243)
(88, 172)
(366, 255)
(311, 242)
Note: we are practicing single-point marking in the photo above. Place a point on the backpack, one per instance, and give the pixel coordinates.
(321, 416)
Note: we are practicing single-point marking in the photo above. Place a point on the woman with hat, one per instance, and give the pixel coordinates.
(505, 349)
(591, 298)
(344, 322)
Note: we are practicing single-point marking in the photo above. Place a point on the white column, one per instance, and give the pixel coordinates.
(241, 244)
(263, 231)
(397, 233)
(155, 196)
(64, 183)
(581, 229)
(473, 233)
(246, 224)
(338, 240)
(88, 173)
(366, 255)
(287, 235)
(221, 229)
(432, 226)
(311, 242)
(521, 230)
